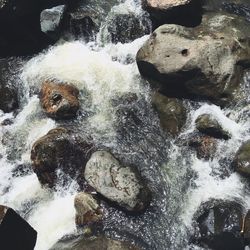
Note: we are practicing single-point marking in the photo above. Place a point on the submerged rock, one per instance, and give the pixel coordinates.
(115, 182)
(125, 28)
(219, 224)
(59, 101)
(51, 20)
(207, 124)
(205, 146)
(88, 210)
(15, 232)
(93, 243)
(205, 62)
(182, 12)
(171, 111)
(60, 149)
(241, 162)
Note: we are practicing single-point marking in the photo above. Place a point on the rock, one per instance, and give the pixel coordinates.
(59, 101)
(207, 124)
(51, 20)
(219, 224)
(241, 162)
(172, 113)
(20, 32)
(246, 228)
(7, 122)
(93, 243)
(125, 28)
(88, 210)
(205, 146)
(60, 149)
(84, 17)
(118, 184)
(15, 232)
(205, 62)
(8, 88)
(182, 12)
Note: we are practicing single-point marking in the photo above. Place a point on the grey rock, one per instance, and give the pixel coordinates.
(50, 19)
(171, 111)
(207, 124)
(205, 62)
(118, 184)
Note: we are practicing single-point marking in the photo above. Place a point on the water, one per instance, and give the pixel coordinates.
(105, 73)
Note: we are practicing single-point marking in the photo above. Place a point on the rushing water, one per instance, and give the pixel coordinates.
(179, 181)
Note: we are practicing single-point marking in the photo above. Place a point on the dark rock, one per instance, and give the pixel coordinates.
(7, 122)
(88, 210)
(183, 12)
(20, 26)
(51, 20)
(125, 28)
(83, 18)
(171, 111)
(207, 124)
(15, 232)
(241, 162)
(60, 149)
(246, 228)
(93, 243)
(219, 224)
(59, 101)
(205, 62)
(205, 146)
(117, 183)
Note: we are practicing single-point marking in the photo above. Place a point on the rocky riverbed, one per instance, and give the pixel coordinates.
(125, 124)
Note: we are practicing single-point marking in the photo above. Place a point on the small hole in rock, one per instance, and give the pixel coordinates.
(185, 52)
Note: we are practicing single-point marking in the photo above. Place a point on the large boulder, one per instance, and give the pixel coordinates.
(59, 101)
(241, 162)
(59, 149)
(205, 62)
(219, 225)
(182, 12)
(15, 232)
(88, 210)
(207, 124)
(93, 243)
(171, 111)
(119, 184)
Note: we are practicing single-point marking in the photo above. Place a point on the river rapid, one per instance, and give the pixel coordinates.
(104, 72)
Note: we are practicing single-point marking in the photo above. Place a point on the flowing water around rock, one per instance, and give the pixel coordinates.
(178, 180)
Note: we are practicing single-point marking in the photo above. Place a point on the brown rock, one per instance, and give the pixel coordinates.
(59, 101)
(60, 149)
(88, 210)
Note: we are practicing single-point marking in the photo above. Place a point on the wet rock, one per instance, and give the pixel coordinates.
(93, 243)
(7, 122)
(207, 124)
(59, 101)
(183, 12)
(205, 62)
(241, 162)
(246, 228)
(172, 113)
(84, 17)
(59, 149)
(115, 182)
(15, 232)
(219, 223)
(20, 32)
(88, 210)
(205, 146)
(51, 20)
(125, 28)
